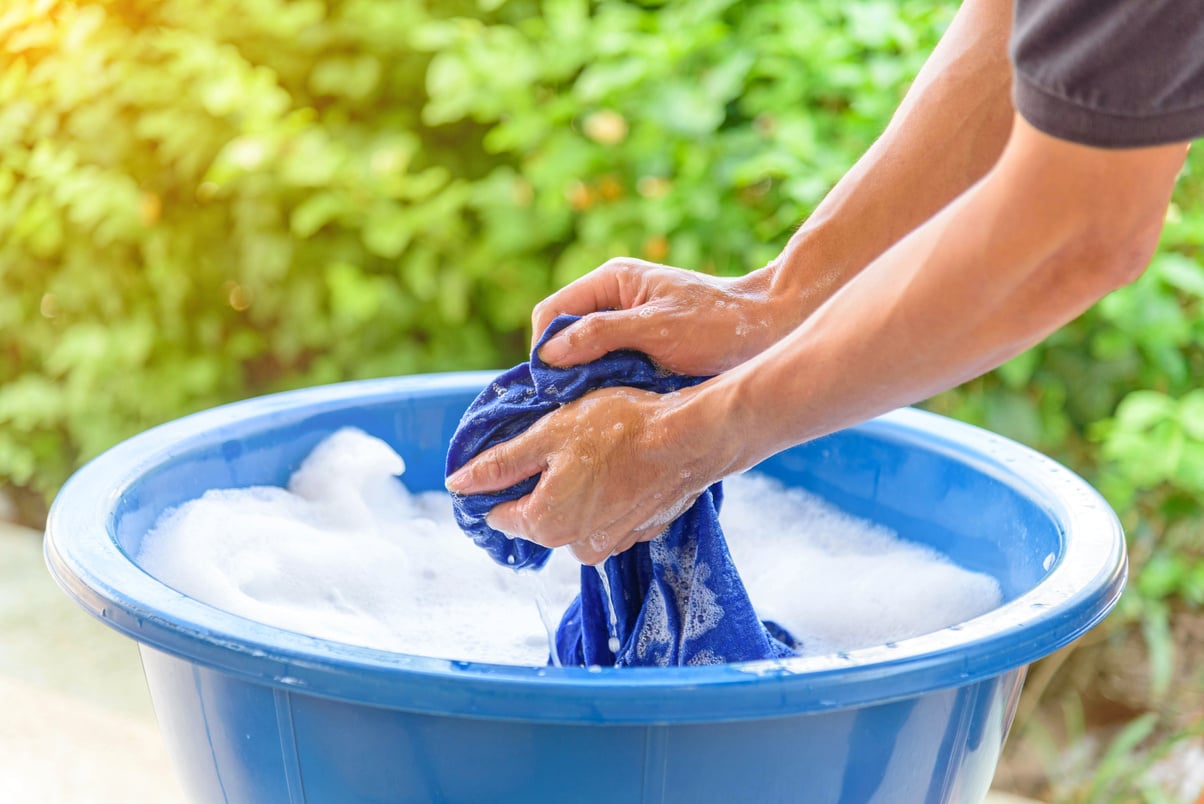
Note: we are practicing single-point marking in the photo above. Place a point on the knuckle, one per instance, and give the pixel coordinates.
(542, 315)
(492, 467)
(623, 267)
(584, 330)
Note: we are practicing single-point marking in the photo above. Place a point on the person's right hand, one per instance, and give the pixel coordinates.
(688, 322)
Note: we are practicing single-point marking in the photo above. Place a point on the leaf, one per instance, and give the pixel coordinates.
(356, 77)
(1191, 413)
(1125, 743)
(1016, 372)
(1013, 415)
(28, 402)
(450, 87)
(1189, 473)
(687, 109)
(315, 212)
(311, 159)
(355, 297)
(602, 81)
(1155, 627)
(453, 298)
(1141, 410)
(1180, 272)
(726, 80)
(387, 230)
(1160, 576)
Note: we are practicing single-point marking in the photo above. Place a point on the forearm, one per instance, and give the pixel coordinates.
(947, 133)
(1049, 231)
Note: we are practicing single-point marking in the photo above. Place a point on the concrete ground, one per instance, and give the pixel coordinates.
(76, 723)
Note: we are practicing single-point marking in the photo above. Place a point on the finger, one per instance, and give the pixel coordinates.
(587, 554)
(510, 518)
(500, 466)
(599, 334)
(603, 288)
(594, 549)
(599, 546)
(637, 536)
(522, 518)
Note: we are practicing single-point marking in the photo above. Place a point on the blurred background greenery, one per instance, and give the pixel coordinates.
(204, 200)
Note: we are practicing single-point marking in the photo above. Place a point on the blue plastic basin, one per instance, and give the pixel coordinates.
(257, 714)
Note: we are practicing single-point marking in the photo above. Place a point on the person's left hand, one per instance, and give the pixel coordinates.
(618, 466)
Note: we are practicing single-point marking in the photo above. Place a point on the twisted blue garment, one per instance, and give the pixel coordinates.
(676, 600)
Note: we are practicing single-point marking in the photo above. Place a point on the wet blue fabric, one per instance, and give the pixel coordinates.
(675, 600)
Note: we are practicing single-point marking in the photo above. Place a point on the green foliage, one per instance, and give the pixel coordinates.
(1122, 770)
(202, 200)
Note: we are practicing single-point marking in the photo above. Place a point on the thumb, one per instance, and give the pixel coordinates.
(498, 467)
(611, 286)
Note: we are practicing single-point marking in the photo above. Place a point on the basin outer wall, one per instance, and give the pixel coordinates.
(234, 740)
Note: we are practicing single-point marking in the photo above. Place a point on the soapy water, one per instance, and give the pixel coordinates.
(346, 553)
(612, 620)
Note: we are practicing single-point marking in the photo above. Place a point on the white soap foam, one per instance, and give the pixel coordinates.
(347, 553)
(836, 581)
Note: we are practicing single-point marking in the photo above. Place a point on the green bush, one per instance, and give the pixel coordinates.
(203, 200)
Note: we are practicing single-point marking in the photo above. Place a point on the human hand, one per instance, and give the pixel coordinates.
(688, 322)
(616, 467)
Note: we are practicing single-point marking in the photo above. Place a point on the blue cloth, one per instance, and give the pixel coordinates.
(676, 600)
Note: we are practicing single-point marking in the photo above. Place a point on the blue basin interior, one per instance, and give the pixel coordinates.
(980, 517)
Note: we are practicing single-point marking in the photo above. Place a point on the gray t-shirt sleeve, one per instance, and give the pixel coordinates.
(1110, 73)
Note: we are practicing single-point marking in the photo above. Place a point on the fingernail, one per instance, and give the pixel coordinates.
(457, 481)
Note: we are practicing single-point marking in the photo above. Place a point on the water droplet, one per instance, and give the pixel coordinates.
(597, 540)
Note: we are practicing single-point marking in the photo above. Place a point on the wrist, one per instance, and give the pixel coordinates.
(815, 263)
(716, 428)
